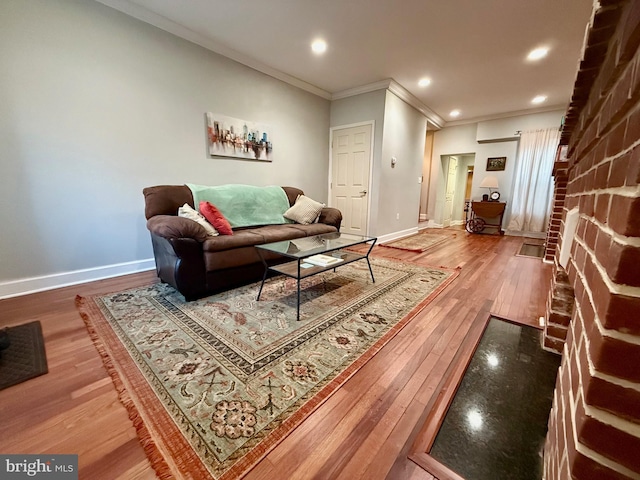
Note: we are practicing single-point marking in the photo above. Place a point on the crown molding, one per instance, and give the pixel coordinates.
(516, 113)
(435, 120)
(369, 87)
(163, 23)
(397, 89)
(408, 97)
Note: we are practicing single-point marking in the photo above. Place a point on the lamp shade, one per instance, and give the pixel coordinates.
(489, 182)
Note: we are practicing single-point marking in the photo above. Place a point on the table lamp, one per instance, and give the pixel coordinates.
(491, 183)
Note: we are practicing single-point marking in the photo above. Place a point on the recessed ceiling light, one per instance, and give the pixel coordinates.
(539, 99)
(454, 113)
(424, 82)
(538, 53)
(319, 46)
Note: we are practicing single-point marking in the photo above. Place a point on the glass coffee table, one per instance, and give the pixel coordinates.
(312, 255)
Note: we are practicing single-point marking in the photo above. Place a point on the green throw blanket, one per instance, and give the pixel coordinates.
(245, 205)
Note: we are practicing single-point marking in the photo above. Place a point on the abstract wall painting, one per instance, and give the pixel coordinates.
(232, 137)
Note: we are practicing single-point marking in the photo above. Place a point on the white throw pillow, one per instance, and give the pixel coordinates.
(187, 211)
(304, 211)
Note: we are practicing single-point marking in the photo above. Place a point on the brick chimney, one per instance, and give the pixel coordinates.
(594, 426)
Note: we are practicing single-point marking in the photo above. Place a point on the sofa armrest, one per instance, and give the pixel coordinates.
(170, 227)
(331, 216)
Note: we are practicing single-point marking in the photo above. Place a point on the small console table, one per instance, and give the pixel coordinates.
(483, 211)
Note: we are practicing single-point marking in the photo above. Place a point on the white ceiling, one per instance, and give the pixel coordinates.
(473, 50)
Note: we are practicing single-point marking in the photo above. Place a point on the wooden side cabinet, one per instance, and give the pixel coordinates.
(484, 212)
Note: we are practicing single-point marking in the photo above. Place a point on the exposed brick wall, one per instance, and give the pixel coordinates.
(594, 426)
(560, 299)
(559, 309)
(560, 179)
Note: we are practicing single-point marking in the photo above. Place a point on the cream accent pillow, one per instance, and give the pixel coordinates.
(187, 211)
(304, 211)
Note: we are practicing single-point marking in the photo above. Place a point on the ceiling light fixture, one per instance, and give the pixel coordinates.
(539, 99)
(454, 113)
(424, 82)
(537, 53)
(319, 46)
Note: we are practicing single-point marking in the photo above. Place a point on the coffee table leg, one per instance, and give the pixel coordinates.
(368, 263)
(298, 310)
(264, 277)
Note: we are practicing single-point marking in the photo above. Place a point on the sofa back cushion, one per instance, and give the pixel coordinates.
(165, 199)
(292, 194)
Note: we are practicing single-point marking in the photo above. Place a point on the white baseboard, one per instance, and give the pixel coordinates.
(433, 224)
(516, 233)
(25, 286)
(390, 237)
(457, 222)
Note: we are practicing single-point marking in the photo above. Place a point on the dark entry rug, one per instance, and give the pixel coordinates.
(531, 250)
(418, 243)
(25, 358)
(497, 422)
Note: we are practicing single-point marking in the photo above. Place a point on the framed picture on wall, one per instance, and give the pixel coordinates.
(495, 164)
(233, 137)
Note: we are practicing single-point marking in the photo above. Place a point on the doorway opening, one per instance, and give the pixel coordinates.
(467, 193)
(457, 182)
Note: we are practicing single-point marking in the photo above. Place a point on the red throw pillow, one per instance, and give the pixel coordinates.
(215, 218)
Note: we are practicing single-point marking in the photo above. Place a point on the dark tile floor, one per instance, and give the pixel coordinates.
(496, 425)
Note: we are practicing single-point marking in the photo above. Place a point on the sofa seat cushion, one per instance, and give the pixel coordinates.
(278, 233)
(248, 237)
(240, 238)
(316, 229)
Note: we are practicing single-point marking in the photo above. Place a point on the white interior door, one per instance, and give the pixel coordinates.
(350, 167)
(450, 191)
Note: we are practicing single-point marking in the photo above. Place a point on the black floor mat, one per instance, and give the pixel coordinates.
(25, 358)
(531, 250)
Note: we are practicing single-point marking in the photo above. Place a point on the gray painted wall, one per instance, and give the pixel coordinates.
(364, 108)
(97, 105)
(497, 140)
(400, 132)
(404, 135)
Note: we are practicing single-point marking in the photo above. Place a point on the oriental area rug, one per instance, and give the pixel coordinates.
(418, 243)
(214, 384)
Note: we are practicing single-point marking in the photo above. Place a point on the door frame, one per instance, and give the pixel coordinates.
(447, 173)
(442, 186)
(372, 123)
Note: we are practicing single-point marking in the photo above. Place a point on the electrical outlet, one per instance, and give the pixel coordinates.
(397, 216)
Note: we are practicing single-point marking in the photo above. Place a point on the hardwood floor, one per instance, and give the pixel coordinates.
(363, 431)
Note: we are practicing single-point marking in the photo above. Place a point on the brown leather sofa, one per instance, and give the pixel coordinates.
(198, 265)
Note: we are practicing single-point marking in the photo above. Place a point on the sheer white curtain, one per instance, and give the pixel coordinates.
(533, 185)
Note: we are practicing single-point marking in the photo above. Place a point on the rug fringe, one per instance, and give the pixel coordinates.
(415, 250)
(156, 459)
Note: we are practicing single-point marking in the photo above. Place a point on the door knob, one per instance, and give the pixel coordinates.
(363, 193)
